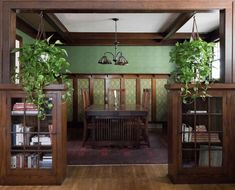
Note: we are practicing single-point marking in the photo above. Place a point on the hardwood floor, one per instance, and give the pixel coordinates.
(131, 177)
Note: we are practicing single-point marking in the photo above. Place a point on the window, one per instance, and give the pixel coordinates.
(18, 44)
(215, 74)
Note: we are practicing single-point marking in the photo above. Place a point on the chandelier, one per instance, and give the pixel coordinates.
(117, 56)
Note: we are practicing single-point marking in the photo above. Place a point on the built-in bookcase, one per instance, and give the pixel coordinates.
(201, 133)
(201, 136)
(34, 149)
(31, 138)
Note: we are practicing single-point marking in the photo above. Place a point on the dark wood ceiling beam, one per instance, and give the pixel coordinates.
(25, 27)
(141, 36)
(125, 38)
(177, 24)
(213, 35)
(58, 26)
(126, 42)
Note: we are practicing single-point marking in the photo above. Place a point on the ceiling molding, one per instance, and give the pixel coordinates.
(177, 24)
(60, 29)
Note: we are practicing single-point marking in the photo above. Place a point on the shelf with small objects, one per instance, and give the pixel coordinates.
(202, 133)
(31, 144)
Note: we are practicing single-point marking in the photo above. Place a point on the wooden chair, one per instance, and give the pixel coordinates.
(146, 96)
(87, 125)
(116, 96)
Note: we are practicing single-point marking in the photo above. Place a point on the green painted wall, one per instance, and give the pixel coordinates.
(26, 38)
(142, 59)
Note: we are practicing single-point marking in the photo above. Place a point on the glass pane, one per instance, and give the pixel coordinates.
(31, 138)
(188, 158)
(201, 105)
(210, 156)
(215, 105)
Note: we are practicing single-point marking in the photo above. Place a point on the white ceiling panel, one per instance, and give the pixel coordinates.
(206, 22)
(128, 22)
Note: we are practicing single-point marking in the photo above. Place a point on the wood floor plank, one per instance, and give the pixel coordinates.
(123, 177)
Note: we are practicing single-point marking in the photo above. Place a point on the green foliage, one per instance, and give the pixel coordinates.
(193, 61)
(42, 64)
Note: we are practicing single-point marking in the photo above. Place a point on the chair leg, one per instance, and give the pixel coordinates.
(84, 138)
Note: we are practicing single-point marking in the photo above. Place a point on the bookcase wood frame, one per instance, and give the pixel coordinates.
(176, 171)
(39, 175)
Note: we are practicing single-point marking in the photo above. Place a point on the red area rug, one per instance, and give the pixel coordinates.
(155, 154)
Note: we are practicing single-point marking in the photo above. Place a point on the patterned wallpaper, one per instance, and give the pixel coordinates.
(98, 97)
(130, 88)
(161, 96)
(145, 83)
(130, 94)
(70, 108)
(113, 84)
(82, 84)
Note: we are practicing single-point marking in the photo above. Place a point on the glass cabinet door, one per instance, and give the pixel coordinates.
(31, 139)
(201, 133)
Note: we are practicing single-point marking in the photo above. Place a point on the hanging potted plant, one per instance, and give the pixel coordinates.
(42, 64)
(193, 60)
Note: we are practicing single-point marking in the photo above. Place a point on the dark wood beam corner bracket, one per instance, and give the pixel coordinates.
(177, 24)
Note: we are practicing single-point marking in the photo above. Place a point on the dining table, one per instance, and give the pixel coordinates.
(120, 125)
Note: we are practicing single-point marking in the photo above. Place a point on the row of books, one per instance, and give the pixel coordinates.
(46, 161)
(22, 136)
(201, 135)
(31, 161)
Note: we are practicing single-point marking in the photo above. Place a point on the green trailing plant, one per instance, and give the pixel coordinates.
(42, 64)
(193, 63)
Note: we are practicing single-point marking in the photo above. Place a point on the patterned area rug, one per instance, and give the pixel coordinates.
(155, 154)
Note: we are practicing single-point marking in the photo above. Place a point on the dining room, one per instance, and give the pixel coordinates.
(93, 41)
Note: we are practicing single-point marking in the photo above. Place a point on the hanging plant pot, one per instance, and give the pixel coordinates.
(42, 64)
(192, 61)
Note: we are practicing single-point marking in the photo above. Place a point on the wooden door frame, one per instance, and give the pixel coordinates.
(8, 10)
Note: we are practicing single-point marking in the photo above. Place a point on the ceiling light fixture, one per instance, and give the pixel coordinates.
(118, 58)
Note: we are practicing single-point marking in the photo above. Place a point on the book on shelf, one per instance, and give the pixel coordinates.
(24, 106)
(20, 108)
(46, 161)
(200, 134)
(197, 111)
(40, 139)
(21, 134)
(50, 129)
(216, 156)
(186, 133)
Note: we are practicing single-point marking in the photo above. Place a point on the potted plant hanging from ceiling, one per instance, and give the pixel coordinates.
(42, 64)
(193, 61)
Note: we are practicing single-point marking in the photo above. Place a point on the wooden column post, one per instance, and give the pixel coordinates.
(138, 93)
(8, 43)
(154, 108)
(1, 48)
(75, 100)
(226, 45)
